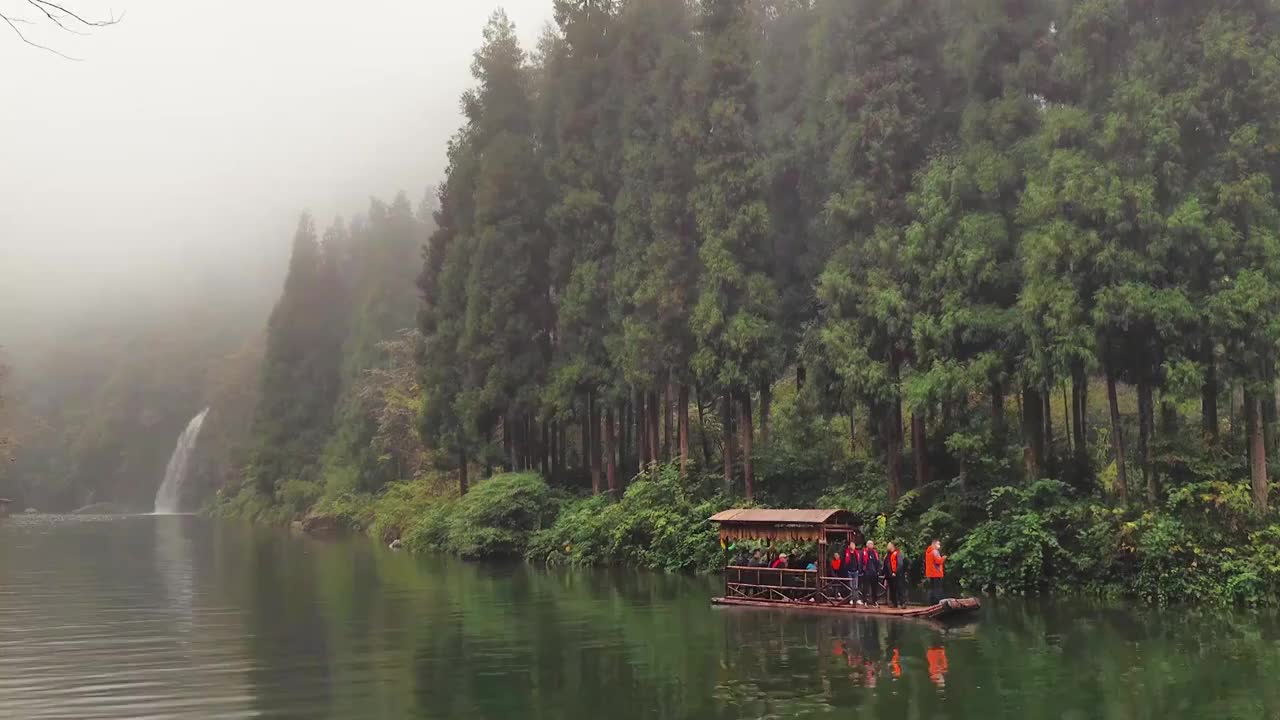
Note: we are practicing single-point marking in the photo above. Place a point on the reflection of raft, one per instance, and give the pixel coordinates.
(948, 608)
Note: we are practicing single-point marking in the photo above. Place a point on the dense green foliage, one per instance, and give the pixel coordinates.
(988, 269)
(659, 523)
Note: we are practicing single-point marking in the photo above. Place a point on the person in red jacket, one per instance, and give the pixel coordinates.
(933, 562)
(780, 563)
(853, 571)
(893, 576)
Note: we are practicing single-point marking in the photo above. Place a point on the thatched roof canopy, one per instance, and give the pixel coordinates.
(786, 525)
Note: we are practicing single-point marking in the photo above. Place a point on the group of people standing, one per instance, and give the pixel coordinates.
(861, 569)
(864, 568)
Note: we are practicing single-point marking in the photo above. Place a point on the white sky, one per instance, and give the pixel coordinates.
(193, 132)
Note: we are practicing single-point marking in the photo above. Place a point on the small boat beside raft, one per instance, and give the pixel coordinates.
(807, 590)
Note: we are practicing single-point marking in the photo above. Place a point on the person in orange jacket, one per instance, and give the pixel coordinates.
(933, 562)
(893, 576)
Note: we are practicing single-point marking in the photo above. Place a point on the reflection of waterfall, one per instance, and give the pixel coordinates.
(176, 565)
(175, 474)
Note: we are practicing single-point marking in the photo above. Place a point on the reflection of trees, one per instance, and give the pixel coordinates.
(287, 637)
(349, 630)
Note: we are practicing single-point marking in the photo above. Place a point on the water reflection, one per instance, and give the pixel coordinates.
(108, 618)
(174, 563)
(132, 618)
(937, 658)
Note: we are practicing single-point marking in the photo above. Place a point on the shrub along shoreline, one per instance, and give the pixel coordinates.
(1203, 547)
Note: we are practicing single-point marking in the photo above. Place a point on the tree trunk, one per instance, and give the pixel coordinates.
(801, 374)
(853, 425)
(1046, 397)
(654, 443)
(1067, 430)
(1032, 432)
(584, 461)
(726, 419)
(1258, 456)
(552, 451)
(747, 430)
(1117, 439)
(668, 436)
(593, 438)
(1247, 409)
(919, 448)
(641, 433)
(610, 450)
(684, 430)
(702, 430)
(562, 442)
(623, 440)
(898, 432)
(766, 410)
(508, 444)
(518, 442)
(892, 457)
(530, 442)
(522, 442)
(1146, 424)
(1079, 413)
(462, 471)
(1209, 392)
(1269, 415)
(1231, 411)
(893, 435)
(997, 409)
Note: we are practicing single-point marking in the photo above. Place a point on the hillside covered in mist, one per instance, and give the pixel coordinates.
(1006, 273)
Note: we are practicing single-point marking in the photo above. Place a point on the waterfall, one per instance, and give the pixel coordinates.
(175, 474)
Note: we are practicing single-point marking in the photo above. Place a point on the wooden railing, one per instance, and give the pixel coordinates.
(786, 586)
(776, 584)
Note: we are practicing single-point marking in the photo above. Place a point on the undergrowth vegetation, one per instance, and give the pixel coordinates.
(1207, 544)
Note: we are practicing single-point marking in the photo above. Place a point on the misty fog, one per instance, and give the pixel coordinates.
(173, 158)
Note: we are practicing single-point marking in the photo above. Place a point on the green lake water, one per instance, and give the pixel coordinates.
(182, 617)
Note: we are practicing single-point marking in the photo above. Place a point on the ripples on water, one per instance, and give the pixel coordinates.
(179, 617)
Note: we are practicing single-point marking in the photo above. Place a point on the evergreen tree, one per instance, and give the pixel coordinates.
(962, 250)
(584, 177)
(442, 284)
(504, 341)
(735, 318)
(300, 377)
(883, 108)
(655, 270)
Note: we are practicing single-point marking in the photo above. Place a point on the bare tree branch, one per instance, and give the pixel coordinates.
(66, 20)
(34, 44)
(45, 6)
(54, 18)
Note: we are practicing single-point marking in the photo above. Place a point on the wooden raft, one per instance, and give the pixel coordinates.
(945, 609)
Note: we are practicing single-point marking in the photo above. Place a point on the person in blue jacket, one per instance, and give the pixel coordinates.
(870, 574)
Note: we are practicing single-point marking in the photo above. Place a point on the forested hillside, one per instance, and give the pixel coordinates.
(1003, 271)
(92, 410)
(337, 407)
